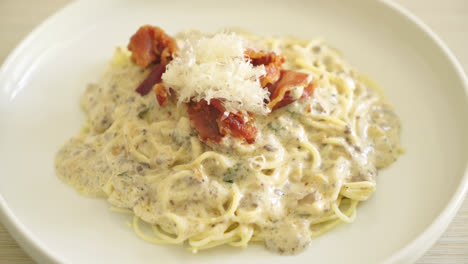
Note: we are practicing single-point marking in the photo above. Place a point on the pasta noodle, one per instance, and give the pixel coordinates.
(311, 164)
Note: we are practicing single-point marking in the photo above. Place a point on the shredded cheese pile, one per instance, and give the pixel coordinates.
(214, 66)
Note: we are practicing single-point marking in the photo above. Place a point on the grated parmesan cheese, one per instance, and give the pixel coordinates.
(214, 66)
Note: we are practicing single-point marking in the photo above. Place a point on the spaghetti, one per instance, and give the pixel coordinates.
(312, 161)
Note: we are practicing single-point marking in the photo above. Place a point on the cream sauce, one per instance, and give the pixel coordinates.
(144, 157)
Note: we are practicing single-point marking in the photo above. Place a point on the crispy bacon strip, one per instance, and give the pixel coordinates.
(235, 124)
(153, 78)
(280, 91)
(161, 93)
(203, 118)
(270, 60)
(308, 90)
(151, 44)
(212, 125)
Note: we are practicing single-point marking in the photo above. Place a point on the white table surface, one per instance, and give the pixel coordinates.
(448, 18)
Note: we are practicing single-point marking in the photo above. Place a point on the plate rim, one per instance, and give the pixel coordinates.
(419, 245)
(411, 251)
(21, 234)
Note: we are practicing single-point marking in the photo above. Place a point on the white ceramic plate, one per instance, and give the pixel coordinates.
(41, 83)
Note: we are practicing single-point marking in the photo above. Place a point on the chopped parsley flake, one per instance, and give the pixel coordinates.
(231, 174)
(274, 126)
(124, 174)
(143, 112)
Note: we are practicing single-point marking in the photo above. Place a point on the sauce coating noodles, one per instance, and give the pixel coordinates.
(311, 164)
